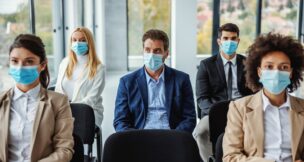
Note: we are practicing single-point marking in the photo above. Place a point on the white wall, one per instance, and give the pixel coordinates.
(184, 36)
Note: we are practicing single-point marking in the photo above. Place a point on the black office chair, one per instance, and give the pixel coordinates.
(151, 146)
(199, 111)
(219, 149)
(51, 88)
(78, 155)
(85, 128)
(217, 123)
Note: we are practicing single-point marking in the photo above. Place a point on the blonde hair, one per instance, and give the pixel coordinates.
(93, 60)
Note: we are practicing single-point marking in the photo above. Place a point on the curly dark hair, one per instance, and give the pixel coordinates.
(271, 42)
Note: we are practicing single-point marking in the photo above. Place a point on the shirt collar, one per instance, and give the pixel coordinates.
(266, 102)
(32, 93)
(161, 77)
(233, 60)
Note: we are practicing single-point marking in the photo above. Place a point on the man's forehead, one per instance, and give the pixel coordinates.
(153, 43)
(229, 34)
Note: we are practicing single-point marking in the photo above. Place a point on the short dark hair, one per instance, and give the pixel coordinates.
(230, 27)
(156, 34)
(271, 42)
(35, 45)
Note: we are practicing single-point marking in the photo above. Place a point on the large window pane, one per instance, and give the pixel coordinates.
(142, 16)
(14, 19)
(235, 11)
(280, 16)
(204, 26)
(43, 10)
(43, 17)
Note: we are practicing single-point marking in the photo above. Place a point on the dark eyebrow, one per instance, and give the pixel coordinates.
(156, 49)
(29, 58)
(269, 62)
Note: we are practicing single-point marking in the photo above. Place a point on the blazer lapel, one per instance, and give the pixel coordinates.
(297, 125)
(4, 120)
(142, 86)
(255, 121)
(39, 113)
(169, 83)
(220, 68)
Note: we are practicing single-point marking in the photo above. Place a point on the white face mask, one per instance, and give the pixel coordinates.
(153, 61)
(275, 81)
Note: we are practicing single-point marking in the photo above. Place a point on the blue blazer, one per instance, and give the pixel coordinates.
(132, 101)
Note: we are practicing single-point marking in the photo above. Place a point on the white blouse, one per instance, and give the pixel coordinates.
(277, 127)
(69, 84)
(22, 115)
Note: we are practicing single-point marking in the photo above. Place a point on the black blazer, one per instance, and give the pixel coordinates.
(211, 86)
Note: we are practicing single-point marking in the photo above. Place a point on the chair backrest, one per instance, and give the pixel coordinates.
(84, 124)
(78, 155)
(219, 149)
(199, 111)
(52, 88)
(217, 120)
(151, 146)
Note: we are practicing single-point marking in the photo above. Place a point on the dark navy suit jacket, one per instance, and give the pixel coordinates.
(131, 104)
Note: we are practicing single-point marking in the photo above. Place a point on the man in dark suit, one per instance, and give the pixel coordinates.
(155, 96)
(220, 77)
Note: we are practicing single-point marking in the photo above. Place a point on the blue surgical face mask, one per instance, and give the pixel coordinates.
(153, 61)
(275, 81)
(24, 74)
(80, 48)
(229, 47)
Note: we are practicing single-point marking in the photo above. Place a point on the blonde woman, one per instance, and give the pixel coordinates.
(81, 74)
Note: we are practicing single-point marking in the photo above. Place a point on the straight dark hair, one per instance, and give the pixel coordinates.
(229, 27)
(35, 45)
(156, 34)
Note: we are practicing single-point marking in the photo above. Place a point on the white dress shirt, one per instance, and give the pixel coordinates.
(277, 128)
(69, 84)
(235, 91)
(22, 115)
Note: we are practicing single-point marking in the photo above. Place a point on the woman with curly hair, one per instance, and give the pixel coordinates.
(268, 126)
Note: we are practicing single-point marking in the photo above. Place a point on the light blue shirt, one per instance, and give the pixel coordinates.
(235, 91)
(157, 117)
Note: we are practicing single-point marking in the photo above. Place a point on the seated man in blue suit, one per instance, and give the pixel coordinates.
(155, 96)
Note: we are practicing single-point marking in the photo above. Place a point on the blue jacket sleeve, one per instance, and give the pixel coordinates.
(122, 114)
(188, 122)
